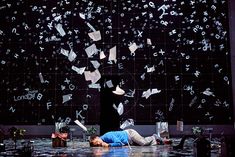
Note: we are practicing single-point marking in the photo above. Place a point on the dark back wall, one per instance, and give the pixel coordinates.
(172, 57)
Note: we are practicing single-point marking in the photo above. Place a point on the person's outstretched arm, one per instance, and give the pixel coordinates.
(104, 144)
(115, 144)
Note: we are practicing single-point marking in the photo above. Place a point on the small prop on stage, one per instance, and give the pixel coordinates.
(162, 129)
(59, 138)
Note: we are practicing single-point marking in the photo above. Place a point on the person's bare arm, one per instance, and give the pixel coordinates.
(104, 144)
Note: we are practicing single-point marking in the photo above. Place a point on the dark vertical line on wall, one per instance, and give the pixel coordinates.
(231, 20)
(151, 117)
(181, 81)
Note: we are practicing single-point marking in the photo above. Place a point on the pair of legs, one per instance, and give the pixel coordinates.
(135, 137)
(181, 144)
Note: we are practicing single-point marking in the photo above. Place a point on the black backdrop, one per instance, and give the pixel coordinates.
(186, 60)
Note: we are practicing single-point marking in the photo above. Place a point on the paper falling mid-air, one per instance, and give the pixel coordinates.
(91, 50)
(80, 125)
(60, 29)
(113, 54)
(95, 36)
(92, 76)
(150, 92)
(118, 91)
(78, 70)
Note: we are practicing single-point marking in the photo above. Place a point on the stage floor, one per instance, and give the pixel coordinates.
(77, 148)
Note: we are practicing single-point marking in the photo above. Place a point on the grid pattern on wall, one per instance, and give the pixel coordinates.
(172, 58)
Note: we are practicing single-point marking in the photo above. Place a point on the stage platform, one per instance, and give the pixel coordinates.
(42, 147)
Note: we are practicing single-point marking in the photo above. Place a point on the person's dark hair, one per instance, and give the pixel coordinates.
(92, 137)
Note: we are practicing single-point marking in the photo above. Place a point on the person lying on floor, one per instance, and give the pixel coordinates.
(125, 137)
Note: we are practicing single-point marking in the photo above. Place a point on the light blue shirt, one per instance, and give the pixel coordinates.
(115, 138)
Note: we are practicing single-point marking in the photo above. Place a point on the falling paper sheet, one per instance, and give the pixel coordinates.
(41, 78)
(109, 83)
(92, 76)
(57, 18)
(127, 123)
(81, 125)
(95, 64)
(130, 93)
(95, 36)
(91, 50)
(91, 27)
(95, 76)
(147, 93)
(133, 47)
(120, 109)
(64, 52)
(102, 55)
(60, 29)
(112, 54)
(150, 92)
(82, 15)
(67, 98)
(151, 69)
(118, 91)
(155, 91)
(142, 76)
(149, 42)
(95, 86)
(208, 92)
(79, 70)
(72, 55)
(87, 75)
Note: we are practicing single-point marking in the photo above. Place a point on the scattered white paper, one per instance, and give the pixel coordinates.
(130, 93)
(142, 76)
(102, 55)
(155, 91)
(91, 27)
(67, 98)
(113, 54)
(149, 42)
(208, 92)
(133, 47)
(80, 125)
(95, 36)
(78, 70)
(92, 76)
(60, 29)
(150, 92)
(64, 52)
(151, 69)
(95, 76)
(82, 16)
(162, 130)
(127, 123)
(72, 56)
(57, 18)
(91, 50)
(62, 87)
(87, 75)
(146, 94)
(41, 78)
(118, 91)
(95, 64)
(120, 109)
(95, 86)
(109, 83)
